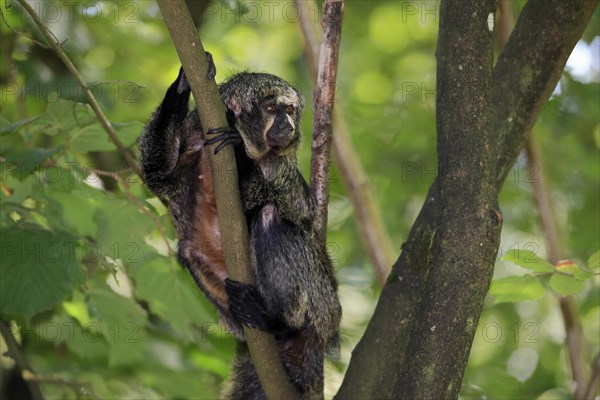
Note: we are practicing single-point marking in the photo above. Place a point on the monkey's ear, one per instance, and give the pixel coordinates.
(235, 106)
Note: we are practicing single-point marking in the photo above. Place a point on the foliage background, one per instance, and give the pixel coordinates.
(103, 309)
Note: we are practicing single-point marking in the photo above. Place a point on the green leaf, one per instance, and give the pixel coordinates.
(85, 340)
(122, 322)
(128, 132)
(91, 138)
(25, 162)
(172, 294)
(566, 285)
(60, 117)
(528, 259)
(594, 261)
(78, 209)
(121, 228)
(516, 288)
(94, 137)
(7, 128)
(568, 267)
(38, 269)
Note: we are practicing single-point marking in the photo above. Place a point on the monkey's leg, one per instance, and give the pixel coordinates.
(248, 307)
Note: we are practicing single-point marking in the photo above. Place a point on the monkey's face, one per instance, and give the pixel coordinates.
(266, 112)
(281, 119)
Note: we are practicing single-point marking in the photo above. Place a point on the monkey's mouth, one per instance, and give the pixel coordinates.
(279, 143)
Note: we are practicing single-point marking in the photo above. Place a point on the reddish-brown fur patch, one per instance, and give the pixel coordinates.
(211, 268)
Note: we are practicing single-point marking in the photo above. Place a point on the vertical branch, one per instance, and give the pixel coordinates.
(368, 216)
(323, 99)
(232, 223)
(467, 238)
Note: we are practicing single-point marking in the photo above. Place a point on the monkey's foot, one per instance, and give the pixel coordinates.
(212, 69)
(224, 136)
(246, 304)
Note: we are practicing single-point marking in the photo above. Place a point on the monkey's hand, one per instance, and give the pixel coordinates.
(182, 83)
(248, 307)
(223, 136)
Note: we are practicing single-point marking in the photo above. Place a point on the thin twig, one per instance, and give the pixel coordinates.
(14, 352)
(81, 389)
(592, 386)
(138, 203)
(56, 46)
(323, 99)
(368, 216)
(16, 32)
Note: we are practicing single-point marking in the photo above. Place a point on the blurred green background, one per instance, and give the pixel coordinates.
(121, 319)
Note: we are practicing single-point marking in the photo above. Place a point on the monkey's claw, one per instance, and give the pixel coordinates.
(225, 136)
(246, 304)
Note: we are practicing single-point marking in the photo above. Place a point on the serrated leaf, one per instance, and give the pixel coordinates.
(528, 259)
(121, 321)
(87, 343)
(25, 162)
(594, 261)
(121, 227)
(94, 138)
(568, 267)
(38, 269)
(60, 117)
(78, 209)
(128, 132)
(566, 285)
(517, 288)
(172, 294)
(7, 128)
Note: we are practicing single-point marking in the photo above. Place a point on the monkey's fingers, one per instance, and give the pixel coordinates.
(225, 136)
(223, 129)
(212, 69)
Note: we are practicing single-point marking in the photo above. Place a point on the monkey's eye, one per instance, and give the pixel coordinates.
(289, 109)
(272, 108)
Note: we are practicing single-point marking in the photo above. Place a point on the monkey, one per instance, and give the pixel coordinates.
(295, 296)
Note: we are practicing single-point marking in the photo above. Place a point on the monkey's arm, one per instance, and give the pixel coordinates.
(161, 141)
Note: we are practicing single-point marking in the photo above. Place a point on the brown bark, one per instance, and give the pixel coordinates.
(323, 99)
(521, 82)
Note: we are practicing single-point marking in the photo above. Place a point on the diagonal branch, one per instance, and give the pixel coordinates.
(50, 38)
(232, 223)
(529, 68)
